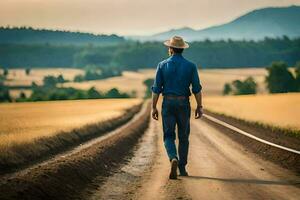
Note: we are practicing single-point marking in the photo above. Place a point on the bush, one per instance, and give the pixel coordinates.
(297, 71)
(79, 78)
(5, 72)
(4, 94)
(42, 93)
(238, 87)
(114, 93)
(148, 83)
(27, 71)
(22, 97)
(60, 79)
(51, 81)
(280, 79)
(92, 93)
(227, 89)
(96, 73)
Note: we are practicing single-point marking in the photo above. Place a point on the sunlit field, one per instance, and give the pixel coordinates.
(23, 122)
(128, 82)
(281, 110)
(17, 77)
(213, 80)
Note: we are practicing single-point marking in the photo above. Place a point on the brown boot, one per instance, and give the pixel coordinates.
(174, 165)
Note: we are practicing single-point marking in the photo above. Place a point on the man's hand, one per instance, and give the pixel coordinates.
(155, 113)
(198, 112)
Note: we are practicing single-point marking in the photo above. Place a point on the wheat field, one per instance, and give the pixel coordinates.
(282, 110)
(128, 82)
(18, 77)
(213, 80)
(24, 122)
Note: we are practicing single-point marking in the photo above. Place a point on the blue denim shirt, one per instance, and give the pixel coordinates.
(174, 77)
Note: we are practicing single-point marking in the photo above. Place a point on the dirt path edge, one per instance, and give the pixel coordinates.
(20, 156)
(278, 156)
(67, 177)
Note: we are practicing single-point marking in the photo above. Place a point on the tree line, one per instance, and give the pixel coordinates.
(49, 91)
(28, 35)
(132, 55)
(280, 79)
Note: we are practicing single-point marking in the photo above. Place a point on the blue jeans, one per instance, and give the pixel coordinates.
(176, 112)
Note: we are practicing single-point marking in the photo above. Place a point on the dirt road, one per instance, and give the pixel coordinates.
(219, 168)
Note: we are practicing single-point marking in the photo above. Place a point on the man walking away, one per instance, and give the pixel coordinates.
(173, 79)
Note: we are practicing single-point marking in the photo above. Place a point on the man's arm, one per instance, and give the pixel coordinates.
(156, 90)
(196, 89)
(155, 97)
(199, 110)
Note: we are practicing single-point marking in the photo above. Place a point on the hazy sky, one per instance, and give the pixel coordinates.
(127, 16)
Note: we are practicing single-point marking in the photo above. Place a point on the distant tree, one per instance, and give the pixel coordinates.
(297, 71)
(49, 81)
(27, 71)
(5, 71)
(60, 79)
(280, 79)
(227, 89)
(248, 86)
(238, 87)
(93, 93)
(22, 95)
(114, 93)
(2, 79)
(4, 94)
(57, 94)
(79, 78)
(148, 83)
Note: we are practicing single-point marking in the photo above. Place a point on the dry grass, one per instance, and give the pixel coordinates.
(279, 110)
(23, 122)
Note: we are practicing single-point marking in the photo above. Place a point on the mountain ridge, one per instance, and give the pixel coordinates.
(29, 35)
(255, 25)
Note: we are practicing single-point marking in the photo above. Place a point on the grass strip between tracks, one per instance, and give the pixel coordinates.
(19, 156)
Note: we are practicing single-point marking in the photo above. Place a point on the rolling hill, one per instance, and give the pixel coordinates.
(255, 25)
(25, 35)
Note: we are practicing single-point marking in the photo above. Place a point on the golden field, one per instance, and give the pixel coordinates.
(18, 77)
(128, 82)
(213, 80)
(24, 122)
(282, 110)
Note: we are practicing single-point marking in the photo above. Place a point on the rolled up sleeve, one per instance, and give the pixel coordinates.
(158, 81)
(196, 85)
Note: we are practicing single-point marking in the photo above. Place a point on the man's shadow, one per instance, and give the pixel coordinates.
(247, 181)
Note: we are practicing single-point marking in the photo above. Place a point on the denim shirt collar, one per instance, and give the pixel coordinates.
(176, 56)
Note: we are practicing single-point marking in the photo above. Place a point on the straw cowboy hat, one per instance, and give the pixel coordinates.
(176, 42)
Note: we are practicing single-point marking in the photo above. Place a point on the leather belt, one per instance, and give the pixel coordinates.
(176, 97)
